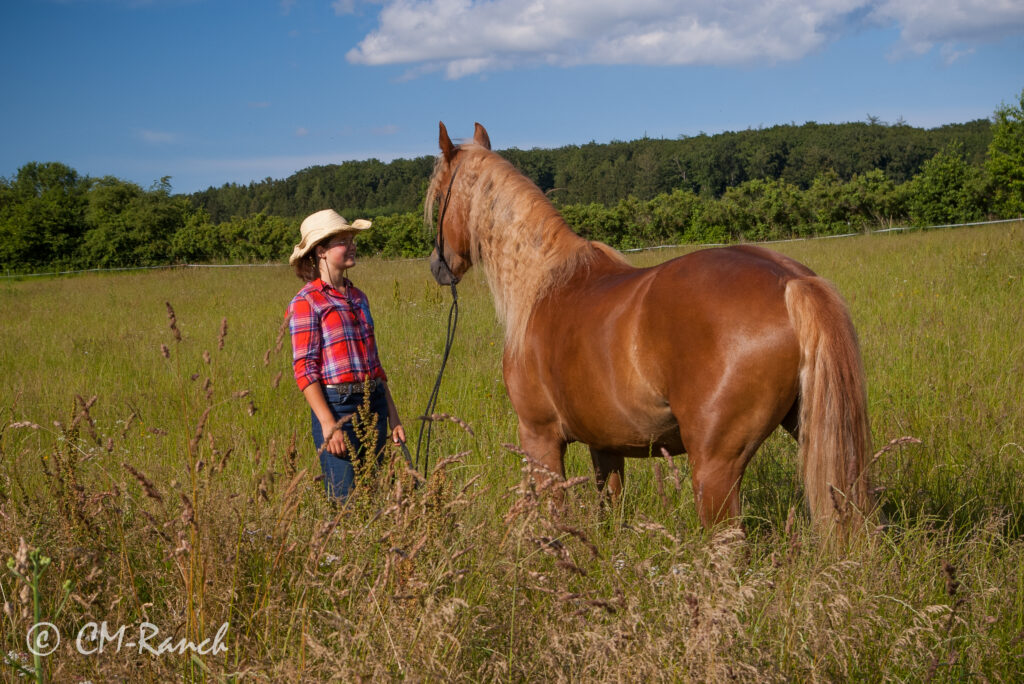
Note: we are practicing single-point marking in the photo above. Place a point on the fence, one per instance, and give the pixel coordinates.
(637, 249)
(843, 235)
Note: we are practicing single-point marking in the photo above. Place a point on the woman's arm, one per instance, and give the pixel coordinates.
(314, 395)
(397, 431)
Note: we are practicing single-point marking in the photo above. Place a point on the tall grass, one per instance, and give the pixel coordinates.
(173, 482)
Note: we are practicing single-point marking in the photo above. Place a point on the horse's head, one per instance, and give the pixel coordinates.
(451, 257)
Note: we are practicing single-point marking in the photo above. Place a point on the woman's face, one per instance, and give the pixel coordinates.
(340, 252)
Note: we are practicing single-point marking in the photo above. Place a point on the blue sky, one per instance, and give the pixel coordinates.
(229, 91)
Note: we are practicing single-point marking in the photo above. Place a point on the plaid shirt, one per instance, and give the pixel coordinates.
(332, 336)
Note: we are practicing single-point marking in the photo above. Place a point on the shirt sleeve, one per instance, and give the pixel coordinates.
(306, 342)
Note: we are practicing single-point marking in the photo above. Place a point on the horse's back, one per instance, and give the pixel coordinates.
(723, 289)
(736, 265)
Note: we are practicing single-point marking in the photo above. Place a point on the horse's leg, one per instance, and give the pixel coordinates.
(722, 437)
(716, 479)
(609, 471)
(546, 447)
(719, 452)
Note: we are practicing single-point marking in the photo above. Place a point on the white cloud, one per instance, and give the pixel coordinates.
(468, 37)
(925, 23)
(950, 54)
(464, 37)
(301, 132)
(388, 129)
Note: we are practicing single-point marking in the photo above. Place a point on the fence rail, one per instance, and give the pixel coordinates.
(637, 249)
(843, 235)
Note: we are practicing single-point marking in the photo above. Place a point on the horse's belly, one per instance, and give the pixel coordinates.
(604, 420)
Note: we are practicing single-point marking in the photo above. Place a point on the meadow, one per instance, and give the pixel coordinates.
(156, 468)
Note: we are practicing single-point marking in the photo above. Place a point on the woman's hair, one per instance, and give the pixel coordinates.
(307, 268)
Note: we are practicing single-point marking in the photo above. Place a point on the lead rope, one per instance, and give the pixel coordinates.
(427, 421)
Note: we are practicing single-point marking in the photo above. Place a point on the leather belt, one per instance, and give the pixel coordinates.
(354, 387)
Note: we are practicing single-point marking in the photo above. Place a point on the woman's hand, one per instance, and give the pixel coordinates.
(336, 444)
(398, 434)
(397, 431)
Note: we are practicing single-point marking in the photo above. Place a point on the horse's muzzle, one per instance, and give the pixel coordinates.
(442, 274)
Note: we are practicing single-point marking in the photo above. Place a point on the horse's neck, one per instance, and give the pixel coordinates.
(524, 259)
(518, 253)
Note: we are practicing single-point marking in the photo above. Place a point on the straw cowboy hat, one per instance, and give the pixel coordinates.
(320, 226)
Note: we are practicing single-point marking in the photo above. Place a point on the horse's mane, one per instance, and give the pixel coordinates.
(516, 234)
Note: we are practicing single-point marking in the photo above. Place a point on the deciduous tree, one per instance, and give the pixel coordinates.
(1006, 159)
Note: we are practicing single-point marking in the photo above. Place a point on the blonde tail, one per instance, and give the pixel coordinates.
(834, 434)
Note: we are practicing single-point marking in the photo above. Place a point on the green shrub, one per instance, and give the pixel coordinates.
(948, 190)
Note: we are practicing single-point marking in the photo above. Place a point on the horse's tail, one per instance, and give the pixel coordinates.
(834, 434)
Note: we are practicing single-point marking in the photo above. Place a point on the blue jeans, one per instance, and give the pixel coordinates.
(339, 474)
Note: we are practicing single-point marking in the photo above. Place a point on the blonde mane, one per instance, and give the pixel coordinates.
(516, 235)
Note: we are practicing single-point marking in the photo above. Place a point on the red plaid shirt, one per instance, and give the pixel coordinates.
(332, 336)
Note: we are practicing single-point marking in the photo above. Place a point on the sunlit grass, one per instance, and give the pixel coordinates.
(183, 494)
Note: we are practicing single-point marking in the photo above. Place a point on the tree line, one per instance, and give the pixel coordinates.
(606, 173)
(785, 181)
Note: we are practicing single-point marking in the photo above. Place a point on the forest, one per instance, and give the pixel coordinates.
(758, 184)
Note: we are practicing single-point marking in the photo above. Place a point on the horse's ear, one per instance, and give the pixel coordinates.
(447, 149)
(480, 137)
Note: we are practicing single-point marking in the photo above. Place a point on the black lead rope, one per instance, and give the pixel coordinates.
(427, 422)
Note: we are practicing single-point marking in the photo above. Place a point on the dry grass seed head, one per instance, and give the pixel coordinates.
(173, 322)
(147, 486)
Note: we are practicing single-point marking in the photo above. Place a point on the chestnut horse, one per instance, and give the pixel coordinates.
(704, 354)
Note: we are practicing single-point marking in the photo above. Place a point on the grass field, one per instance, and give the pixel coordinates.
(175, 486)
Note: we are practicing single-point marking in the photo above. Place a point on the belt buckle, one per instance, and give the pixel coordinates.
(355, 387)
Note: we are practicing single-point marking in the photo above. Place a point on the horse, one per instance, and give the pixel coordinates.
(705, 354)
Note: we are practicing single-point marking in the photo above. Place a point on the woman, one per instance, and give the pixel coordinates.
(334, 351)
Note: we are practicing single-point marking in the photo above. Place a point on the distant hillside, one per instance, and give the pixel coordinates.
(608, 173)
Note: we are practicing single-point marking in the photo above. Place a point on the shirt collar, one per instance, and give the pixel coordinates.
(324, 286)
